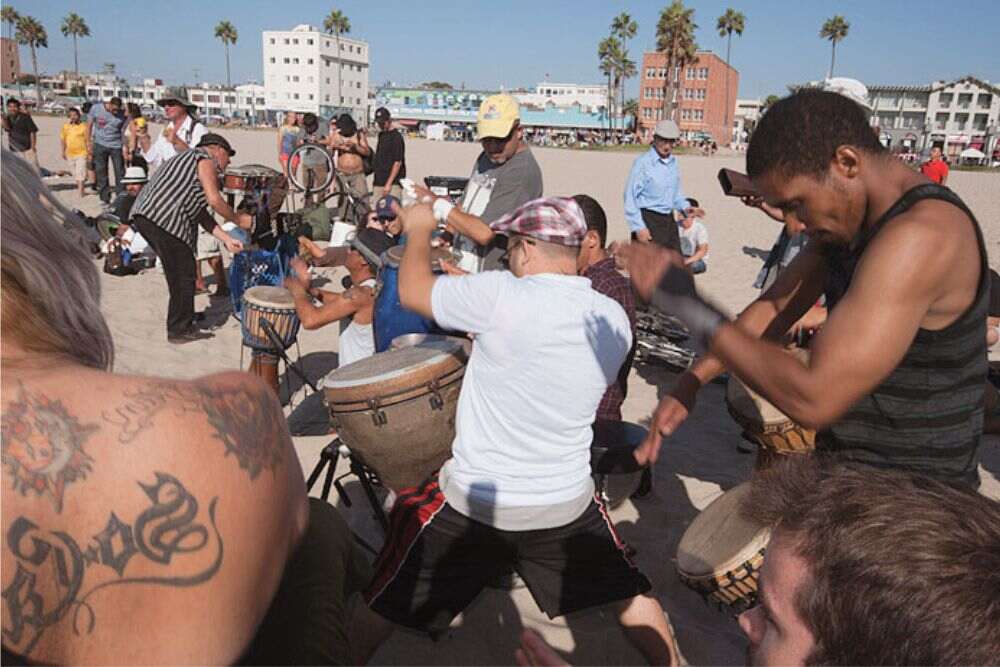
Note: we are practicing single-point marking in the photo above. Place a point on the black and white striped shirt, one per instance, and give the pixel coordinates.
(174, 199)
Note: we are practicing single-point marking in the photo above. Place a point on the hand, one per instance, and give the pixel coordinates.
(646, 264)
(424, 195)
(300, 272)
(643, 236)
(168, 132)
(314, 250)
(536, 652)
(451, 269)
(295, 286)
(756, 201)
(417, 218)
(667, 418)
(233, 245)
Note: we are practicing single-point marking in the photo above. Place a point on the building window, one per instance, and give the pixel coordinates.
(272, 40)
(295, 79)
(309, 42)
(295, 61)
(690, 72)
(327, 98)
(327, 45)
(309, 62)
(260, 100)
(358, 101)
(295, 96)
(286, 61)
(944, 99)
(359, 84)
(295, 41)
(310, 95)
(328, 79)
(273, 60)
(286, 40)
(341, 99)
(703, 73)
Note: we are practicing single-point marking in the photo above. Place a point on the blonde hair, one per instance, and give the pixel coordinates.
(51, 291)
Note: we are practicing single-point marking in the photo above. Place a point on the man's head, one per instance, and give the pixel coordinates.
(665, 135)
(310, 123)
(218, 148)
(74, 115)
(499, 126)
(814, 156)
(346, 125)
(13, 105)
(175, 108)
(134, 179)
(936, 153)
(869, 566)
(366, 247)
(592, 246)
(382, 118)
(114, 105)
(687, 221)
(544, 236)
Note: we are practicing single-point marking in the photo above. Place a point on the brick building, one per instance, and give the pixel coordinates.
(10, 66)
(701, 98)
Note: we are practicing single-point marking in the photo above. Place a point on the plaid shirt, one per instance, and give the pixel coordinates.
(604, 278)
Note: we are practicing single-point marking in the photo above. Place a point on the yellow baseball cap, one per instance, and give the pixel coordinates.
(497, 115)
(140, 122)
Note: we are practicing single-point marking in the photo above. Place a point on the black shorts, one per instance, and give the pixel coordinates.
(436, 561)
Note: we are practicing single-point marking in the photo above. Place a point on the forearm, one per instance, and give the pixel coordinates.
(698, 255)
(470, 226)
(332, 256)
(416, 279)
(219, 205)
(393, 173)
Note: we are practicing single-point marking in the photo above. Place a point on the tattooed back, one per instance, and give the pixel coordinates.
(144, 520)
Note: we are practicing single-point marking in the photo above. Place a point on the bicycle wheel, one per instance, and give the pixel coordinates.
(305, 154)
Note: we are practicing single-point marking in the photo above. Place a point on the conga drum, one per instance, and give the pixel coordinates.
(391, 320)
(721, 552)
(396, 410)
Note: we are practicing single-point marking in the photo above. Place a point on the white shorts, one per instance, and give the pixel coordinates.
(79, 168)
(208, 245)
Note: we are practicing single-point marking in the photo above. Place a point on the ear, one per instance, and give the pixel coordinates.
(846, 161)
(591, 239)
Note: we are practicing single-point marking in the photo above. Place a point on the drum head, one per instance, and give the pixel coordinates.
(270, 297)
(752, 406)
(252, 170)
(393, 366)
(720, 539)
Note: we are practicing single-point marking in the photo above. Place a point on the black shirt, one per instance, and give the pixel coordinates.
(390, 149)
(19, 129)
(123, 206)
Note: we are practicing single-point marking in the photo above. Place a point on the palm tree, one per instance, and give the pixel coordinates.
(227, 33)
(32, 33)
(834, 29)
(626, 70)
(730, 22)
(9, 16)
(74, 26)
(624, 28)
(631, 109)
(337, 24)
(675, 39)
(609, 53)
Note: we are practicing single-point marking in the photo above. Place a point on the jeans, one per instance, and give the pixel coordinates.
(103, 186)
(698, 267)
(179, 270)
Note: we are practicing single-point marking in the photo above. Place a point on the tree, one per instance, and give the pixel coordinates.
(9, 16)
(337, 24)
(730, 22)
(438, 85)
(768, 102)
(609, 54)
(675, 39)
(74, 26)
(624, 28)
(32, 33)
(110, 69)
(227, 33)
(834, 29)
(631, 109)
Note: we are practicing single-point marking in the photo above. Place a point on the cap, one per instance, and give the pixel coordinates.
(552, 219)
(667, 129)
(383, 207)
(382, 114)
(213, 139)
(174, 95)
(140, 122)
(134, 175)
(497, 115)
(371, 243)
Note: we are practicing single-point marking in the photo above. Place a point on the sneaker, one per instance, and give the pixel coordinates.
(189, 336)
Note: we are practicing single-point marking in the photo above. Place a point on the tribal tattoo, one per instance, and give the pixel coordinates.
(53, 573)
(43, 446)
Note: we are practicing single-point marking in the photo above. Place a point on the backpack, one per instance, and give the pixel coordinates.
(118, 260)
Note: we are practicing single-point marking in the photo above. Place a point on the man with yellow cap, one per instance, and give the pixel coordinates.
(505, 176)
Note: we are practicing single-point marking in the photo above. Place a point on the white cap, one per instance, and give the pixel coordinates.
(850, 88)
(667, 129)
(134, 175)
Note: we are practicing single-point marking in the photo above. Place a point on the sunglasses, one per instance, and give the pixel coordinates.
(511, 247)
(498, 143)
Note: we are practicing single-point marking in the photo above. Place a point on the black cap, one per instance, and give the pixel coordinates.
(374, 241)
(382, 114)
(213, 139)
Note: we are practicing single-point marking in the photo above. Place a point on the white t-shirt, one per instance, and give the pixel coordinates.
(546, 348)
(357, 341)
(162, 149)
(692, 238)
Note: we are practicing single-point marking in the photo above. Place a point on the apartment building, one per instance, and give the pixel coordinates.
(102, 87)
(701, 96)
(10, 61)
(747, 113)
(305, 71)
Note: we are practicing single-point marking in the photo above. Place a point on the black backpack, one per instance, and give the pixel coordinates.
(116, 261)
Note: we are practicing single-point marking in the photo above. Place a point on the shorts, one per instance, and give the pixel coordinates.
(208, 246)
(283, 158)
(79, 168)
(436, 561)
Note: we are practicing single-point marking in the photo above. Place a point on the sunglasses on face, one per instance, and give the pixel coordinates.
(497, 144)
(511, 247)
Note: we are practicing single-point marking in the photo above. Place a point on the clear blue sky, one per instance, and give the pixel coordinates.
(515, 42)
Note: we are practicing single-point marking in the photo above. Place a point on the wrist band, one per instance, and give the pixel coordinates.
(442, 207)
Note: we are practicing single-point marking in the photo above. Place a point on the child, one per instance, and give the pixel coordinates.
(694, 240)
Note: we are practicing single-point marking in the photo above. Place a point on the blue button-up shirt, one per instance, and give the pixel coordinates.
(654, 183)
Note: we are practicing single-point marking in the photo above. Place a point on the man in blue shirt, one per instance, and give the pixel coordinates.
(653, 191)
(105, 131)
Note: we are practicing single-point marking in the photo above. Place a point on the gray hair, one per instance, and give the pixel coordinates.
(51, 290)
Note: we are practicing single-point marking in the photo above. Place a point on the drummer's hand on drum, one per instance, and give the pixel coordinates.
(424, 195)
(299, 271)
(232, 245)
(314, 250)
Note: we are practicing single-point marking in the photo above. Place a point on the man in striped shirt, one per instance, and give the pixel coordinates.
(180, 197)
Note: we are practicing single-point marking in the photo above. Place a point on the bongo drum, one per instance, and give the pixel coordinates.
(277, 306)
(396, 410)
(721, 552)
(391, 320)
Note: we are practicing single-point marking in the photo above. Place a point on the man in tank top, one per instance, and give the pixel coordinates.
(353, 307)
(896, 375)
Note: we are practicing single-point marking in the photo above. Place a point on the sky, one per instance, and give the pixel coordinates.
(493, 43)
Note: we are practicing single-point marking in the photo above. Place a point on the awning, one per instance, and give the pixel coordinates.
(409, 123)
(978, 145)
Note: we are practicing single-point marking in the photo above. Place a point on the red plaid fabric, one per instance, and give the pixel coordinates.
(553, 219)
(604, 278)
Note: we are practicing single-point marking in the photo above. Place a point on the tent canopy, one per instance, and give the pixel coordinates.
(973, 154)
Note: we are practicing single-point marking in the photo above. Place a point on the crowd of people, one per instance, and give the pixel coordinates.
(882, 551)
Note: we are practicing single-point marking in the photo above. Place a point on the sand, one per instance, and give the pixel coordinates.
(698, 462)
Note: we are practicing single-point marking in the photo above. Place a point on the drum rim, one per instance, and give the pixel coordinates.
(252, 169)
(758, 542)
(442, 355)
(437, 254)
(249, 299)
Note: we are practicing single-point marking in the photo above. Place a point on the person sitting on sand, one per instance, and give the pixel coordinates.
(693, 238)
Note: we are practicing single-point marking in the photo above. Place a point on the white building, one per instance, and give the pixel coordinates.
(305, 71)
(562, 95)
(103, 87)
(745, 118)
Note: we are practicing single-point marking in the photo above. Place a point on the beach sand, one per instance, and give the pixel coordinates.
(698, 463)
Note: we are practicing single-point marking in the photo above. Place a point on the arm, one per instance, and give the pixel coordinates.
(362, 148)
(90, 136)
(699, 252)
(393, 173)
(633, 187)
(210, 183)
(334, 308)
(62, 143)
(397, 163)
(416, 279)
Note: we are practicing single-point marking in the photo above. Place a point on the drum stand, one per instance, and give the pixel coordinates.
(328, 459)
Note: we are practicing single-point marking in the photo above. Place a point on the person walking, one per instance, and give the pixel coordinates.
(106, 124)
(22, 133)
(73, 138)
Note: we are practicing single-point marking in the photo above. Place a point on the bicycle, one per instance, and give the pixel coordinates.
(357, 208)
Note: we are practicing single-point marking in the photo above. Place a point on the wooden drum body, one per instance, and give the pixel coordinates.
(396, 409)
(721, 553)
(277, 306)
(248, 179)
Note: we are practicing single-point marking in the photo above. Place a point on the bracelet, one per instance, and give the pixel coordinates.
(442, 208)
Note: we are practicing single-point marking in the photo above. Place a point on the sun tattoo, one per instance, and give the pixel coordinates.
(43, 446)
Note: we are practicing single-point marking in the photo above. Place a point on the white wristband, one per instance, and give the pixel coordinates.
(442, 207)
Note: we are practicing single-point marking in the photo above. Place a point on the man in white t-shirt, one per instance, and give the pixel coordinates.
(181, 133)
(518, 491)
(694, 239)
